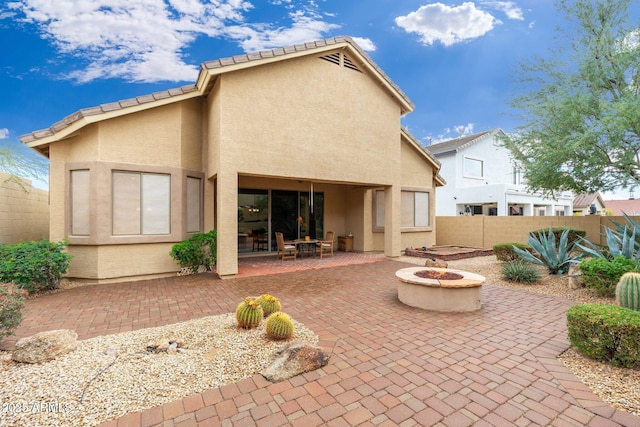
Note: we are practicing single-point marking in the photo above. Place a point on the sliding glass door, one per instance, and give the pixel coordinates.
(262, 213)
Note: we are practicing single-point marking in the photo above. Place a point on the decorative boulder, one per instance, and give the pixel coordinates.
(575, 277)
(435, 263)
(295, 359)
(44, 346)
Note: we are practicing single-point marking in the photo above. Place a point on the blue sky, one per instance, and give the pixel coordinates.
(455, 60)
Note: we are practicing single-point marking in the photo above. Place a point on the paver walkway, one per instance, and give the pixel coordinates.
(391, 364)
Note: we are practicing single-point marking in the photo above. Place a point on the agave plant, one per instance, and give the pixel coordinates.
(557, 259)
(624, 241)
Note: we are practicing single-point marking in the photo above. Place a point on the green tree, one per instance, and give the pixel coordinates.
(21, 162)
(581, 107)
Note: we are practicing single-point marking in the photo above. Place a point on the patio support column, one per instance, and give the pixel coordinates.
(392, 221)
(227, 223)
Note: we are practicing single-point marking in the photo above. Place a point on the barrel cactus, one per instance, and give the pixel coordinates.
(269, 303)
(249, 313)
(628, 291)
(279, 326)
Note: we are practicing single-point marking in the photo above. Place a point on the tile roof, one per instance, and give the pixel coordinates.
(104, 108)
(206, 67)
(453, 145)
(630, 206)
(585, 200)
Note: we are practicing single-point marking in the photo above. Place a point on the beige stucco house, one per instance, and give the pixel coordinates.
(257, 144)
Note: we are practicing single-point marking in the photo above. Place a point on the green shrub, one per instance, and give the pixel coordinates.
(504, 251)
(34, 266)
(521, 272)
(607, 333)
(573, 234)
(199, 250)
(11, 302)
(603, 275)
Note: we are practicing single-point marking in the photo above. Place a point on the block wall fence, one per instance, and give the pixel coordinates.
(24, 212)
(485, 231)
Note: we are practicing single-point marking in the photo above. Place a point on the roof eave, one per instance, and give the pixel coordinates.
(210, 69)
(420, 149)
(71, 124)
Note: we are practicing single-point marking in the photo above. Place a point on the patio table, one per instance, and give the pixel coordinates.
(309, 244)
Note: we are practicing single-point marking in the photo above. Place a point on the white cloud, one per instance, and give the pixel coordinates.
(508, 7)
(366, 44)
(143, 40)
(4, 133)
(448, 25)
(447, 133)
(464, 130)
(307, 26)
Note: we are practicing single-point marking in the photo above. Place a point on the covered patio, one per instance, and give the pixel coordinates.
(271, 264)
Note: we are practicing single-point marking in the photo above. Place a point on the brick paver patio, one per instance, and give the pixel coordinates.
(391, 364)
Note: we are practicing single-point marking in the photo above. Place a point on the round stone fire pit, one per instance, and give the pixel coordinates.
(440, 289)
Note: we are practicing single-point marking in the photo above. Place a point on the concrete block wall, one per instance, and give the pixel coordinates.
(485, 231)
(24, 215)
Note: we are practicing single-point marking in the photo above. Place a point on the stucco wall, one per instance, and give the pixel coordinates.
(166, 139)
(279, 125)
(307, 118)
(486, 231)
(24, 213)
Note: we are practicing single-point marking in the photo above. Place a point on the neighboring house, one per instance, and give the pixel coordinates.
(302, 140)
(620, 207)
(482, 179)
(588, 204)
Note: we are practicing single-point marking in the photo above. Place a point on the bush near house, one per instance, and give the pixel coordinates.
(574, 234)
(11, 302)
(504, 251)
(34, 266)
(520, 272)
(199, 250)
(603, 275)
(607, 333)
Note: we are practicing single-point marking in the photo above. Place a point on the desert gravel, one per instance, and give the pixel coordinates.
(112, 375)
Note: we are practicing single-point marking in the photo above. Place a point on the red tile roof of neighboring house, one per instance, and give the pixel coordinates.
(629, 206)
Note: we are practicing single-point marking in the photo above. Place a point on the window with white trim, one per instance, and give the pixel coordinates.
(379, 209)
(194, 205)
(80, 202)
(473, 168)
(141, 203)
(414, 207)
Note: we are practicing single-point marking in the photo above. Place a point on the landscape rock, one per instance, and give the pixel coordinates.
(575, 277)
(45, 346)
(435, 263)
(295, 359)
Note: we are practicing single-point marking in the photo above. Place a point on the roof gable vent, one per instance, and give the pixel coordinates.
(333, 58)
(339, 58)
(349, 64)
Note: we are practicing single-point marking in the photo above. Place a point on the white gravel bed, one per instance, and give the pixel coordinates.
(112, 375)
(618, 387)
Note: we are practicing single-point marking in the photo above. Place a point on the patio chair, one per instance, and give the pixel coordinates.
(285, 249)
(326, 245)
(259, 242)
